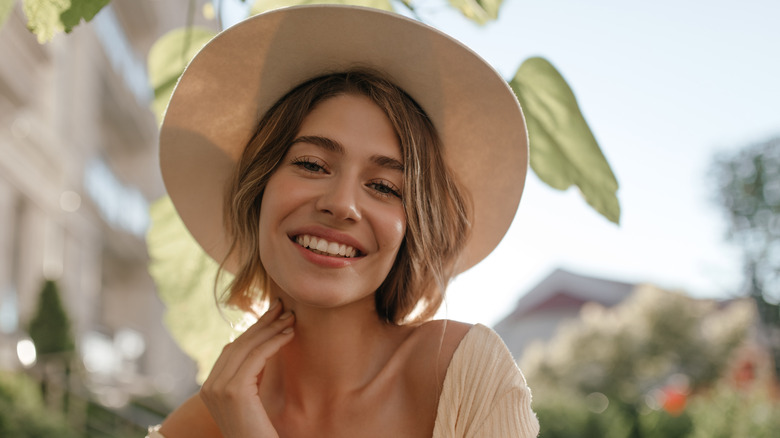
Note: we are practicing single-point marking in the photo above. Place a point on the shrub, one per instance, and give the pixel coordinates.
(23, 414)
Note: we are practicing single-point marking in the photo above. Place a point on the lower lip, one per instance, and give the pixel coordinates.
(326, 261)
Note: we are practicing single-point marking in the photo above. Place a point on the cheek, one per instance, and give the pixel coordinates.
(394, 224)
(271, 205)
(262, 229)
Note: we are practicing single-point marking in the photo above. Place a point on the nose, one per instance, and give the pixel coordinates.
(340, 200)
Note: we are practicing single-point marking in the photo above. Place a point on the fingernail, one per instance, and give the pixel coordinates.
(286, 315)
(287, 331)
(275, 304)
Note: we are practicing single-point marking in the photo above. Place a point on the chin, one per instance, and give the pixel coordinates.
(325, 296)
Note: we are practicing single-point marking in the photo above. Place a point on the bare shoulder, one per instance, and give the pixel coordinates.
(446, 332)
(435, 342)
(190, 420)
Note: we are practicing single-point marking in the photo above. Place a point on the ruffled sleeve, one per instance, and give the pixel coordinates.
(484, 393)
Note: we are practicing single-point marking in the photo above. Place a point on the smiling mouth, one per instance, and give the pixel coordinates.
(321, 246)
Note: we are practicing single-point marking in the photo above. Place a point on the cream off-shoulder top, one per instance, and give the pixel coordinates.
(484, 393)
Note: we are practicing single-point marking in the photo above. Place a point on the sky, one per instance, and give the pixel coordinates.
(665, 86)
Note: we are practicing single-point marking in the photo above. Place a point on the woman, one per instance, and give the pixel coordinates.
(345, 164)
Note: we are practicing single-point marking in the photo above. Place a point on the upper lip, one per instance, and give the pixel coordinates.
(330, 235)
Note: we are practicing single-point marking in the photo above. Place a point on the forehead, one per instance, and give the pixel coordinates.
(356, 123)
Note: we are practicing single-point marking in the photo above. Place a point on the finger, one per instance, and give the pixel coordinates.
(240, 389)
(228, 394)
(267, 318)
(273, 311)
(245, 378)
(233, 355)
(261, 331)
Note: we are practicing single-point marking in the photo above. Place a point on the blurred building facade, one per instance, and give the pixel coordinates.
(556, 299)
(78, 169)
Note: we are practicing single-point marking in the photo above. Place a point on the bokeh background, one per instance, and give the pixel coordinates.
(663, 325)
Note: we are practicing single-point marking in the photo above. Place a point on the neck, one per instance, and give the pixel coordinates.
(335, 352)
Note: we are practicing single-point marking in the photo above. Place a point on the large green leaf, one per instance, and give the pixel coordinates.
(261, 6)
(86, 9)
(45, 18)
(185, 275)
(6, 6)
(564, 151)
(478, 11)
(167, 59)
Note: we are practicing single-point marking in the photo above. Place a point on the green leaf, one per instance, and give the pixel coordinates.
(86, 9)
(564, 151)
(185, 275)
(6, 6)
(478, 11)
(43, 17)
(266, 5)
(167, 59)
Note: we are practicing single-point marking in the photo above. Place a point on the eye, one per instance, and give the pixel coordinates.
(308, 164)
(385, 189)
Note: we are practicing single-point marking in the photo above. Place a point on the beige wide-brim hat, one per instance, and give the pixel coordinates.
(239, 74)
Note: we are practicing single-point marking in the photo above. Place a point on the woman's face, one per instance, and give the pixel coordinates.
(332, 218)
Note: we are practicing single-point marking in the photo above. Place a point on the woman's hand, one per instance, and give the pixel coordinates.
(231, 391)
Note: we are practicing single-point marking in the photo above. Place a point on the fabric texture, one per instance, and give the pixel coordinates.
(484, 392)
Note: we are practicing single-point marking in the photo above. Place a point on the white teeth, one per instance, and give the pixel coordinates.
(325, 247)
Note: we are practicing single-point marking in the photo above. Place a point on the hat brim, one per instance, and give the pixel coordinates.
(239, 74)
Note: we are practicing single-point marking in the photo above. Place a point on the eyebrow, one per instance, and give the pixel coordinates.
(333, 146)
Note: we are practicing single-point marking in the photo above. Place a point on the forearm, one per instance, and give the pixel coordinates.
(191, 419)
